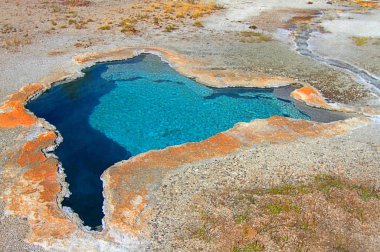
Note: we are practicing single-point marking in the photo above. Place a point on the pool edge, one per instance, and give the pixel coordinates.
(14, 109)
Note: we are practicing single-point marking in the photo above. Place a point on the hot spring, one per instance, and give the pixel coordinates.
(120, 109)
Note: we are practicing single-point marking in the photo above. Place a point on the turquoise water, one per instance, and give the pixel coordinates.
(120, 109)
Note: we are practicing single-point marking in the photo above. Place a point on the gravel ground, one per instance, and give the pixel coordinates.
(12, 230)
(356, 156)
(338, 41)
(52, 51)
(12, 233)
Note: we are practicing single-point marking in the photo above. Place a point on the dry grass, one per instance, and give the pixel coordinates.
(105, 27)
(165, 14)
(129, 18)
(7, 28)
(14, 42)
(322, 215)
(170, 28)
(360, 41)
(76, 3)
(171, 15)
(128, 26)
(55, 53)
(253, 37)
(193, 9)
(198, 24)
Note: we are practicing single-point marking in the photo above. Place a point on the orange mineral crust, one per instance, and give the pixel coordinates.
(371, 4)
(34, 191)
(126, 185)
(31, 152)
(13, 112)
(32, 187)
(310, 96)
(301, 19)
(219, 77)
(194, 68)
(138, 173)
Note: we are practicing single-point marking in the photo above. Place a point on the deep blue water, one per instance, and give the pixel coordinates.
(120, 109)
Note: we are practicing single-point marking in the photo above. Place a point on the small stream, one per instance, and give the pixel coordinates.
(302, 47)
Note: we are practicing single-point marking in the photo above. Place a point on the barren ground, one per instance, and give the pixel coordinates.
(315, 194)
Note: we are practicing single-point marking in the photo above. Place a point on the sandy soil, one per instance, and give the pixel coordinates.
(338, 40)
(354, 155)
(12, 230)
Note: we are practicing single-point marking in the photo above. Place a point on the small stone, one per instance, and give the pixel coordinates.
(253, 27)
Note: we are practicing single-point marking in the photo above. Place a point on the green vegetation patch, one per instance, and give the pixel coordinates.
(198, 24)
(360, 41)
(253, 37)
(249, 247)
(301, 217)
(105, 27)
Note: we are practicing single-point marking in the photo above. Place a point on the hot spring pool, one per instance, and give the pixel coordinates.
(120, 109)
